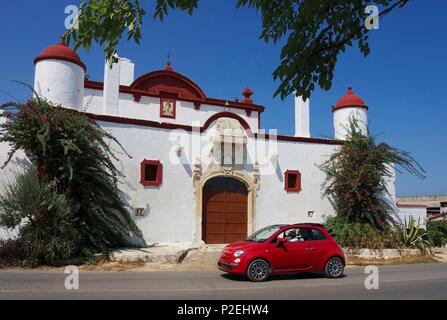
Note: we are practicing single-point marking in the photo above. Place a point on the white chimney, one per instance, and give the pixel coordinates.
(127, 72)
(302, 117)
(121, 73)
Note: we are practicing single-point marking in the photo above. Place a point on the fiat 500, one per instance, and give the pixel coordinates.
(284, 249)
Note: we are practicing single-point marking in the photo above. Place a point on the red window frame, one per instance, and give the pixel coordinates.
(162, 115)
(158, 181)
(297, 187)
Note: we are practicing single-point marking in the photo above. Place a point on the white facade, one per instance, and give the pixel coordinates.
(343, 116)
(406, 212)
(165, 119)
(61, 82)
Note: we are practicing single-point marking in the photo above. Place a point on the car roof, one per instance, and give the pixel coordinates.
(312, 224)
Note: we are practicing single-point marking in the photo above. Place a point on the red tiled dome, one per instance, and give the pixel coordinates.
(60, 51)
(350, 100)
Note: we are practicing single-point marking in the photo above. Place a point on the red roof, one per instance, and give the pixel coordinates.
(350, 100)
(60, 51)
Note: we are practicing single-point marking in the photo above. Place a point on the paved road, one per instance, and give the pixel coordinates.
(420, 281)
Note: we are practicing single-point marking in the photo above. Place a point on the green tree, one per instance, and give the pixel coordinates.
(356, 178)
(75, 167)
(316, 32)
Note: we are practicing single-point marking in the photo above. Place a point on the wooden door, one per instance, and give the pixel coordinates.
(225, 211)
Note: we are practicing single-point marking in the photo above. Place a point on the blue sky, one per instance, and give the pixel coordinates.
(403, 80)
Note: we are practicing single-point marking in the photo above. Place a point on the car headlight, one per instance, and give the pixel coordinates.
(238, 253)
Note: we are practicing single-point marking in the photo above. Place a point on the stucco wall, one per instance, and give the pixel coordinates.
(418, 213)
(61, 82)
(149, 109)
(276, 205)
(342, 117)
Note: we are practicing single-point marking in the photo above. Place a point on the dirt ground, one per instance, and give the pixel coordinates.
(199, 261)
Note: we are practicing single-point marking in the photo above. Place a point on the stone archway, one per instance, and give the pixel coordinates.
(227, 131)
(251, 184)
(224, 211)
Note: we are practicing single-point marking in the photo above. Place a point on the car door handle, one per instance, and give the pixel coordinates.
(310, 249)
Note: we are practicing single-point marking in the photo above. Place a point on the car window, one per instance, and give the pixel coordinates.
(315, 234)
(294, 235)
(263, 234)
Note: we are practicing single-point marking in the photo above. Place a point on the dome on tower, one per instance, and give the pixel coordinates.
(60, 51)
(350, 100)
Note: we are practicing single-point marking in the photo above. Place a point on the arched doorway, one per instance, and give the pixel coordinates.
(225, 211)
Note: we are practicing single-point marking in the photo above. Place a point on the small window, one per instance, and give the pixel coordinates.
(151, 173)
(292, 181)
(315, 234)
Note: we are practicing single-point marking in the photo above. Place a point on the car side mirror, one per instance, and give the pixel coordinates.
(281, 241)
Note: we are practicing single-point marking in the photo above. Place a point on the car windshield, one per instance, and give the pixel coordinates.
(263, 234)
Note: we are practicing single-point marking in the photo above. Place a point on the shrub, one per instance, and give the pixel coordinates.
(437, 232)
(11, 253)
(77, 204)
(361, 235)
(413, 236)
(356, 178)
(46, 221)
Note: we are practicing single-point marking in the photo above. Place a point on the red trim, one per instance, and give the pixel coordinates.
(412, 205)
(227, 114)
(159, 180)
(138, 93)
(350, 100)
(338, 108)
(60, 51)
(173, 126)
(435, 216)
(297, 187)
(162, 115)
(299, 139)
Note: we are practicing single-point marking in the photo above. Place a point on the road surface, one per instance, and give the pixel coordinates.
(417, 281)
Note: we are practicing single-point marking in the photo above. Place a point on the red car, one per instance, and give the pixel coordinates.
(303, 247)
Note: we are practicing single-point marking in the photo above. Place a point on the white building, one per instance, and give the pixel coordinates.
(201, 168)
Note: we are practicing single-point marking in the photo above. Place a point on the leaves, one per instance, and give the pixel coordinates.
(356, 178)
(71, 156)
(316, 32)
(104, 21)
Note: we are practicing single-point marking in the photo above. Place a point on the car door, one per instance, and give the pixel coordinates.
(291, 255)
(317, 246)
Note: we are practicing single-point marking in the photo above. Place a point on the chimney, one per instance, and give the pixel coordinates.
(302, 117)
(121, 73)
(127, 72)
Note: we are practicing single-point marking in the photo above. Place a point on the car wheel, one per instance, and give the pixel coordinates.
(258, 270)
(334, 268)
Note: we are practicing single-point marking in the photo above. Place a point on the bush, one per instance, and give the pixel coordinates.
(412, 236)
(47, 225)
(71, 199)
(437, 232)
(361, 235)
(356, 178)
(11, 253)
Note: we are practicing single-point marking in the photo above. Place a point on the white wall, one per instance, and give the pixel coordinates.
(169, 217)
(418, 213)
(61, 82)
(276, 205)
(7, 175)
(171, 214)
(342, 117)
